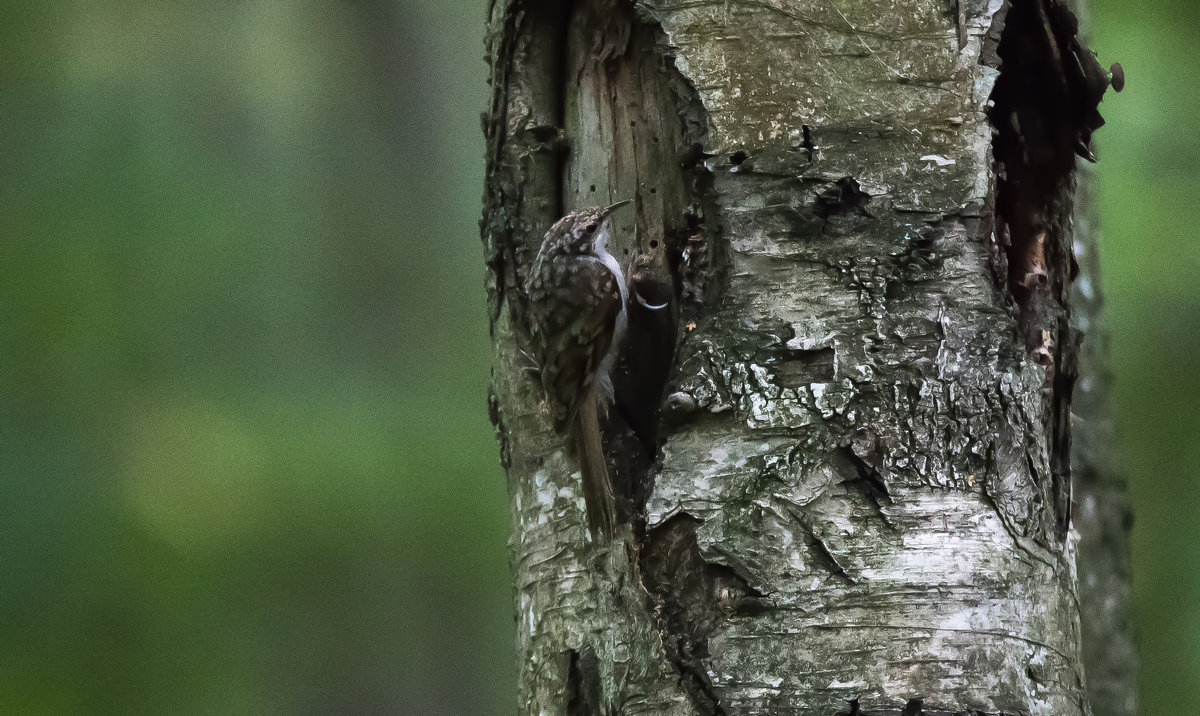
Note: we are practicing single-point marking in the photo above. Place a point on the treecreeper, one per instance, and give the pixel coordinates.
(577, 321)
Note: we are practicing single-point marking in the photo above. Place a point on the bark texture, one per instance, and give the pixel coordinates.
(843, 453)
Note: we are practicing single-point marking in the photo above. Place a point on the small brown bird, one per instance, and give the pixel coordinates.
(577, 319)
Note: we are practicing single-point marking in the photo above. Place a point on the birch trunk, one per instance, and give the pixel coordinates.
(843, 453)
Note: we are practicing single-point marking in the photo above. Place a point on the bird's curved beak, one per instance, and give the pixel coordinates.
(610, 209)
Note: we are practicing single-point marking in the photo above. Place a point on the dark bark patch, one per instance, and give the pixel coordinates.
(692, 597)
(525, 143)
(844, 197)
(808, 145)
(801, 367)
(584, 694)
(917, 263)
(497, 421)
(647, 358)
(857, 471)
(690, 255)
(824, 556)
(915, 707)
(1044, 111)
(793, 361)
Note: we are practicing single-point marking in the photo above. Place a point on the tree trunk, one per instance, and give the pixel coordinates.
(842, 455)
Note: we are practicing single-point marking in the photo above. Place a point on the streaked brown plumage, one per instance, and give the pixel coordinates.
(577, 296)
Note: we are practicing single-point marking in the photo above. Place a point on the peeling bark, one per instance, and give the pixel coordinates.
(843, 453)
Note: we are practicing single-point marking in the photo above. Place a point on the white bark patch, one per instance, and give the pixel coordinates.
(937, 159)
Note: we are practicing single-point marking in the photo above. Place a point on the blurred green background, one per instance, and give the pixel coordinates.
(245, 464)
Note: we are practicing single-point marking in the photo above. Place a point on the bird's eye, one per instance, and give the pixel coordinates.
(590, 228)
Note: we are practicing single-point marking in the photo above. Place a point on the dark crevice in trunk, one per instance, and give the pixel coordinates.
(856, 470)
(1044, 110)
(584, 696)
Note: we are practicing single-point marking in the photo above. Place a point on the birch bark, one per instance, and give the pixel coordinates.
(843, 454)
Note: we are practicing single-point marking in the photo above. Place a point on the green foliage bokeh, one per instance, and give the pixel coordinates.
(245, 464)
(1149, 176)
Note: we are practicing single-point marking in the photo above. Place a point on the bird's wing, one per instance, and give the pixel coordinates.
(573, 328)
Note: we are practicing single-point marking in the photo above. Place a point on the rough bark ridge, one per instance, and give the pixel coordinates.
(855, 497)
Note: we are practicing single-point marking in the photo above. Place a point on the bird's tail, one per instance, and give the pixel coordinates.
(598, 494)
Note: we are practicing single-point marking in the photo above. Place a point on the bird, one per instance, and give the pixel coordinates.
(578, 300)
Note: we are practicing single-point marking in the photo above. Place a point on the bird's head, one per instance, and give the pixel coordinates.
(586, 230)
